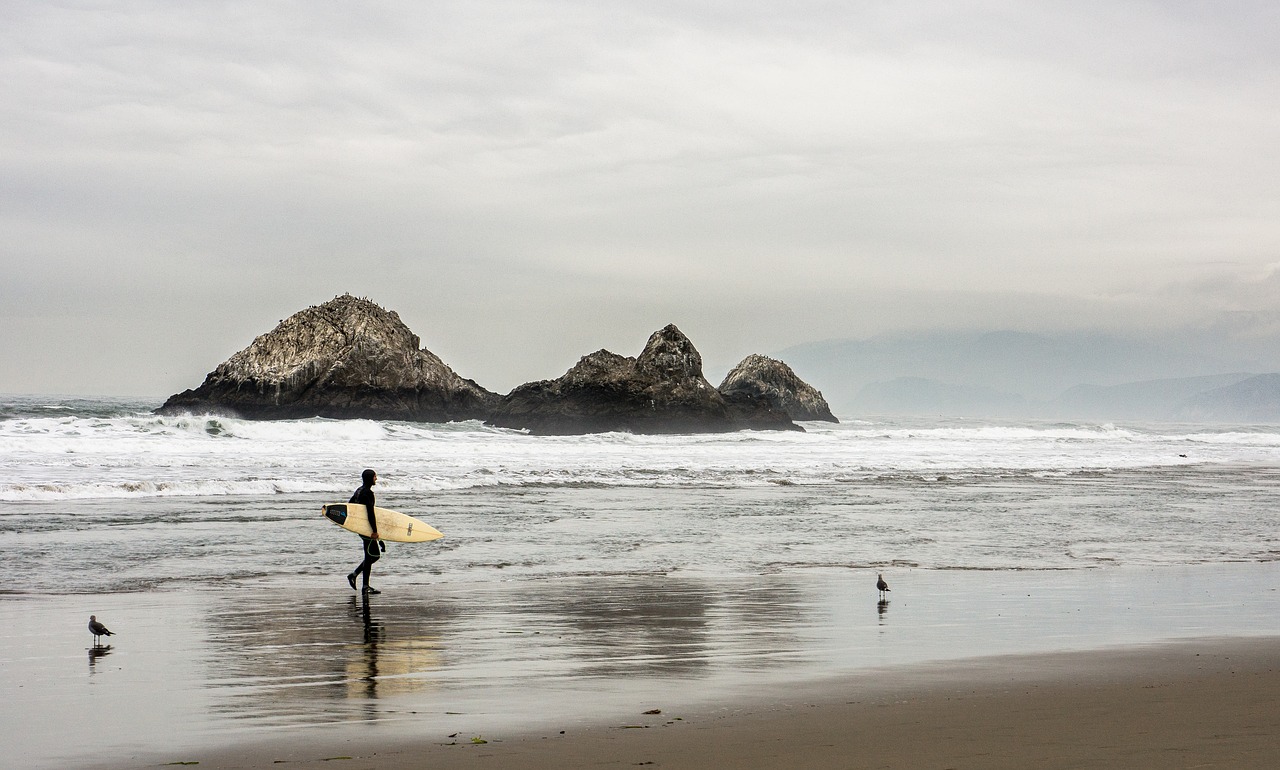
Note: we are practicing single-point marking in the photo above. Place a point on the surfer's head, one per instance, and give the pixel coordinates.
(369, 477)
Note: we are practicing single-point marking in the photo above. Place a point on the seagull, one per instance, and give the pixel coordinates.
(883, 586)
(97, 629)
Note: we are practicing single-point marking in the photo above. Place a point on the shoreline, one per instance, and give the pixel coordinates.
(271, 671)
(1191, 703)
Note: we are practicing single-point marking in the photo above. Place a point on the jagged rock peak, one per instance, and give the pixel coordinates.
(335, 330)
(772, 381)
(669, 353)
(661, 391)
(600, 366)
(346, 358)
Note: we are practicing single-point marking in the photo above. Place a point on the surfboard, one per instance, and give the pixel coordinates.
(392, 525)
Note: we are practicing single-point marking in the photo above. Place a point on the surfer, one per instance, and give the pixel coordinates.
(373, 547)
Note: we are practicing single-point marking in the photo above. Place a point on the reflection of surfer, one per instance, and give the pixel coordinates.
(373, 547)
(372, 633)
(372, 628)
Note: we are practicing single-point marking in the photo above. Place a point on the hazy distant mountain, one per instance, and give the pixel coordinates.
(1014, 374)
(1149, 400)
(1256, 399)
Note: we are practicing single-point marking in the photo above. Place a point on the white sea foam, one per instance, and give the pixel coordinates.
(137, 454)
(241, 498)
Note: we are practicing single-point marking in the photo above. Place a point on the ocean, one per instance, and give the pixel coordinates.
(581, 578)
(192, 500)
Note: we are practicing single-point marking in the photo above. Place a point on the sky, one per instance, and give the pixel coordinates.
(528, 182)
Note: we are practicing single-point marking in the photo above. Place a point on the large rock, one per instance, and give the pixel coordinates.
(765, 379)
(661, 391)
(347, 358)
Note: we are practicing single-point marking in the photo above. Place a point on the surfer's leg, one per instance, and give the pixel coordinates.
(365, 564)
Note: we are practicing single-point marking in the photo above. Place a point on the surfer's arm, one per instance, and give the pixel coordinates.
(373, 517)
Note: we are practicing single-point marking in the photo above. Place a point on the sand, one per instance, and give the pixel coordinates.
(1204, 703)
(1163, 667)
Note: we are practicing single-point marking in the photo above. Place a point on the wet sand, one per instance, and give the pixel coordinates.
(957, 669)
(1207, 703)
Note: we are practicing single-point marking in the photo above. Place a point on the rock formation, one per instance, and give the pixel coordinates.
(771, 381)
(347, 358)
(661, 391)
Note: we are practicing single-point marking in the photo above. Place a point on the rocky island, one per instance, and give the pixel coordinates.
(350, 358)
(346, 358)
(661, 391)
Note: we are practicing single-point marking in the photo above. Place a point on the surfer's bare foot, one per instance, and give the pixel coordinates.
(352, 580)
(371, 590)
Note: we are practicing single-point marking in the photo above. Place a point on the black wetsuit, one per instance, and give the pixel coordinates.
(372, 548)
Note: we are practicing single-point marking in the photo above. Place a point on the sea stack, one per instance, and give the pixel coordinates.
(773, 382)
(348, 358)
(661, 391)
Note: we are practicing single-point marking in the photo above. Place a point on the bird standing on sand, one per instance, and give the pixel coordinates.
(97, 629)
(881, 585)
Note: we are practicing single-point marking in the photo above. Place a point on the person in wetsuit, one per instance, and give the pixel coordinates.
(373, 547)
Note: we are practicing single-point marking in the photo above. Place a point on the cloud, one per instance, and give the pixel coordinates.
(523, 177)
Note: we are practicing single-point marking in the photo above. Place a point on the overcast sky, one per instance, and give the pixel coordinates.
(528, 182)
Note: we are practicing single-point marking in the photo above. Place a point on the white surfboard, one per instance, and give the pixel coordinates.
(392, 525)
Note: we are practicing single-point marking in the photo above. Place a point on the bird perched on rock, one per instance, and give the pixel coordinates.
(97, 629)
(882, 586)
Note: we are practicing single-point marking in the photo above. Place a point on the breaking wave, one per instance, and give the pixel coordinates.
(87, 448)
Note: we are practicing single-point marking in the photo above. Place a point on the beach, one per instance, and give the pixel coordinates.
(1205, 703)
(1078, 594)
(764, 386)
(1105, 668)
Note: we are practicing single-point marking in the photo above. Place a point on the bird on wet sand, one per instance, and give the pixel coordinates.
(97, 629)
(882, 586)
